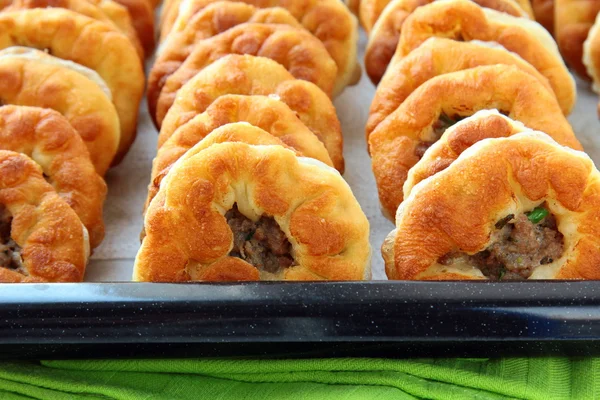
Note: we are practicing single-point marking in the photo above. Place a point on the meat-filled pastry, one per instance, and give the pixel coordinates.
(89, 8)
(235, 211)
(437, 56)
(383, 39)
(264, 112)
(90, 43)
(530, 209)
(329, 20)
(29, 77)
(543, 11)
(400, 140)
(142, 17)
(249, 75)
(465, 20)
(591, 55)
(303, 55)
(42, 239)
(574, 18)
(458, 138)
(49, 139)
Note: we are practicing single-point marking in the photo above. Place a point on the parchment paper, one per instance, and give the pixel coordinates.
(127, 183)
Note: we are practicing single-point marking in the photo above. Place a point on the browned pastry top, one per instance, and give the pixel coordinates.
(250, 75)
(574, 18)
(49, 139)
(530, 209)
(115, 14)
(33, 78)
(436, 56)
(303, 55)
(42, 239)
(383, 39)
(210, 21)
(329, 20)
(465, 20)
(142, 17)
(400, 140)
(96, 45)
(264, 112)
(235, 211)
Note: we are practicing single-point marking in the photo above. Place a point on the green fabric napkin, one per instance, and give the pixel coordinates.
(340, 379)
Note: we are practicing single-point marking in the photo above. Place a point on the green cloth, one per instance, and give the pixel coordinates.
(339, 379)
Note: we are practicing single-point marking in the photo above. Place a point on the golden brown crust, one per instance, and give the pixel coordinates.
(54, 244)
(312, 204)
(83, 7)
(297, 50)
(249, 75)
(142, 17)
(482, 125)
(465, 20)
(383, 39)
(43, 83)
(119, 14)
(266, 113)
(98, 46)
(369, 12)
(574, 19)
(329, 20)
(208, 22)
(436, 56)
(543, 11)
(591, 55)
(353, 5)
(506, 175)
(47, 137)
(394, 142)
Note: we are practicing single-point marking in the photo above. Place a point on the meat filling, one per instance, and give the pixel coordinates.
(260, 243)
(519, 245)
(439, 127)
(10, 252)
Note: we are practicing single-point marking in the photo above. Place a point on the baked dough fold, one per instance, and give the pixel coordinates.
(314, 228)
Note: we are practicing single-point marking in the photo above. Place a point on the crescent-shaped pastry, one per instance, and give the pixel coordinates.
(465, 20)
(591, 55)
(240, 212)
(42, 239)
(208, 22)
(329, 20)
(47, 137)
(458, 138)
(90, 43)
(267, 113)
(30, 77)
(543, 10)
(249, 75)
(401, 139)
(89, 8)
(437, 56)
(530, 209)
(383, 39)
(574, 19)
(303, 55)
(142, 17)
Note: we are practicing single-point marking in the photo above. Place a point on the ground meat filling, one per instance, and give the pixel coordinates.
(439, 127)
(10, 252)
(519, 245)
(260, 243)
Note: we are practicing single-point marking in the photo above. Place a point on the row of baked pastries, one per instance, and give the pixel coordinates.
(247, 178)
(71, 80)
(480, 194)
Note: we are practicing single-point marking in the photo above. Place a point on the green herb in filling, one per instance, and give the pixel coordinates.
(537, 214)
